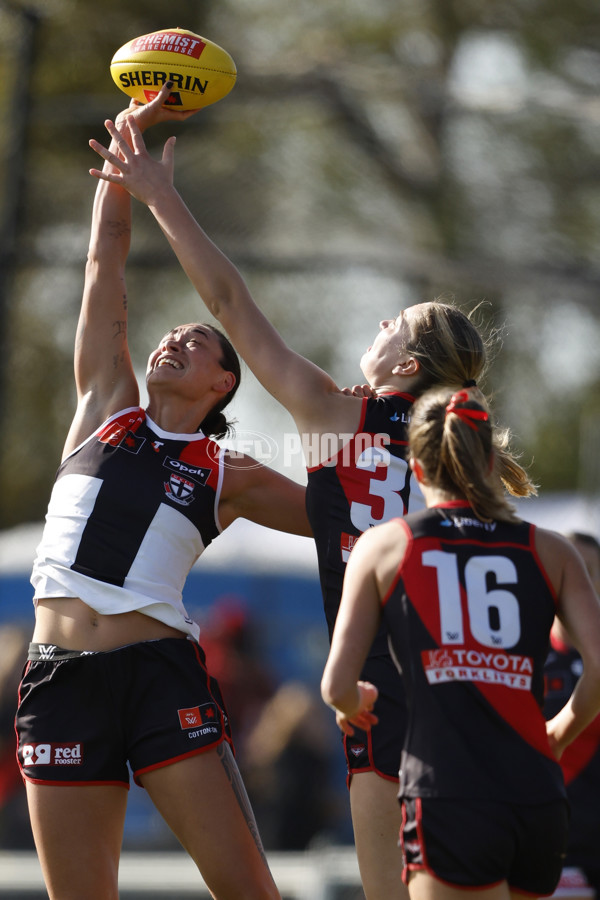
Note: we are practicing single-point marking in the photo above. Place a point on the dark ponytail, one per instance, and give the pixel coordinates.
(215, 423)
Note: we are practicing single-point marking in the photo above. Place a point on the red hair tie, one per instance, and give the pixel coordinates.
(468, 416)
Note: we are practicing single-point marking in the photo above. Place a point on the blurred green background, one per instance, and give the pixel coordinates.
(370, 156)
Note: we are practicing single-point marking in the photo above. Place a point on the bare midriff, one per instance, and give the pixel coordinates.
(70, 623)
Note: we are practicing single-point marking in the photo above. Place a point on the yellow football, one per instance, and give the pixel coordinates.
(201, 71)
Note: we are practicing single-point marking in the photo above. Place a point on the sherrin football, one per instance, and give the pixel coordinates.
(201, 71)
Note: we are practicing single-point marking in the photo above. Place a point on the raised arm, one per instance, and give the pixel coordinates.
(104, 375)
(309, 393)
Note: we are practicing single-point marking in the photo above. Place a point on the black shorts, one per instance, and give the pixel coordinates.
(481, 843)
(83, 716)
(379, 749)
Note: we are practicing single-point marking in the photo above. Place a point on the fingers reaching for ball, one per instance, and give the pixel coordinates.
(155, 111)
(129, 164)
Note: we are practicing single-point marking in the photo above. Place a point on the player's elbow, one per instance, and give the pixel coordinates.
(333, 689)
(102, 264)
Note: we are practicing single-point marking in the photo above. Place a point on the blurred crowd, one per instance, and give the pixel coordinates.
(282, 734)
(15, 830)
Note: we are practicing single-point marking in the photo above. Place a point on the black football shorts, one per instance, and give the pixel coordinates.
(83, 716)
(481, 843)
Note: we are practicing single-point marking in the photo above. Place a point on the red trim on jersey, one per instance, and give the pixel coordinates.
(579, 754)
(523, 719)
(116, 428)
(204, 455)
(404, 396)
(405, 556)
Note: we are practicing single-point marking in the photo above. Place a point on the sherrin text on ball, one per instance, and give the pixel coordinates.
(201, 71)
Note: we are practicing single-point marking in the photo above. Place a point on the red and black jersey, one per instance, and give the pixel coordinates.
(469, 617)
(366, 483)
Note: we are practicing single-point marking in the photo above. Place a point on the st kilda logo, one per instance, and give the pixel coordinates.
(179, 489)
(183, 480)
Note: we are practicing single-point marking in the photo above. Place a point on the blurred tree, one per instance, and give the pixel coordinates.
(370, 156)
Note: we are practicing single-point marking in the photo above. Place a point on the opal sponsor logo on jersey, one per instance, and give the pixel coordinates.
(488, 666)
(196, 473)
(41, 754)
(183, 480)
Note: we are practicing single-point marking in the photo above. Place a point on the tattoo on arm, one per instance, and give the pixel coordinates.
(117, 228)
(235, 779)
(120, 326)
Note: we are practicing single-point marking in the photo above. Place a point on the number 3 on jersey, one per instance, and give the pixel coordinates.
(383, 498)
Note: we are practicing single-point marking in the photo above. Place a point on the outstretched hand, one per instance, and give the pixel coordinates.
(132, 166)
(364, 718)
(154, 112)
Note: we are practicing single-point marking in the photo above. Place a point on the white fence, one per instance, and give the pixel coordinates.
(312, 875)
